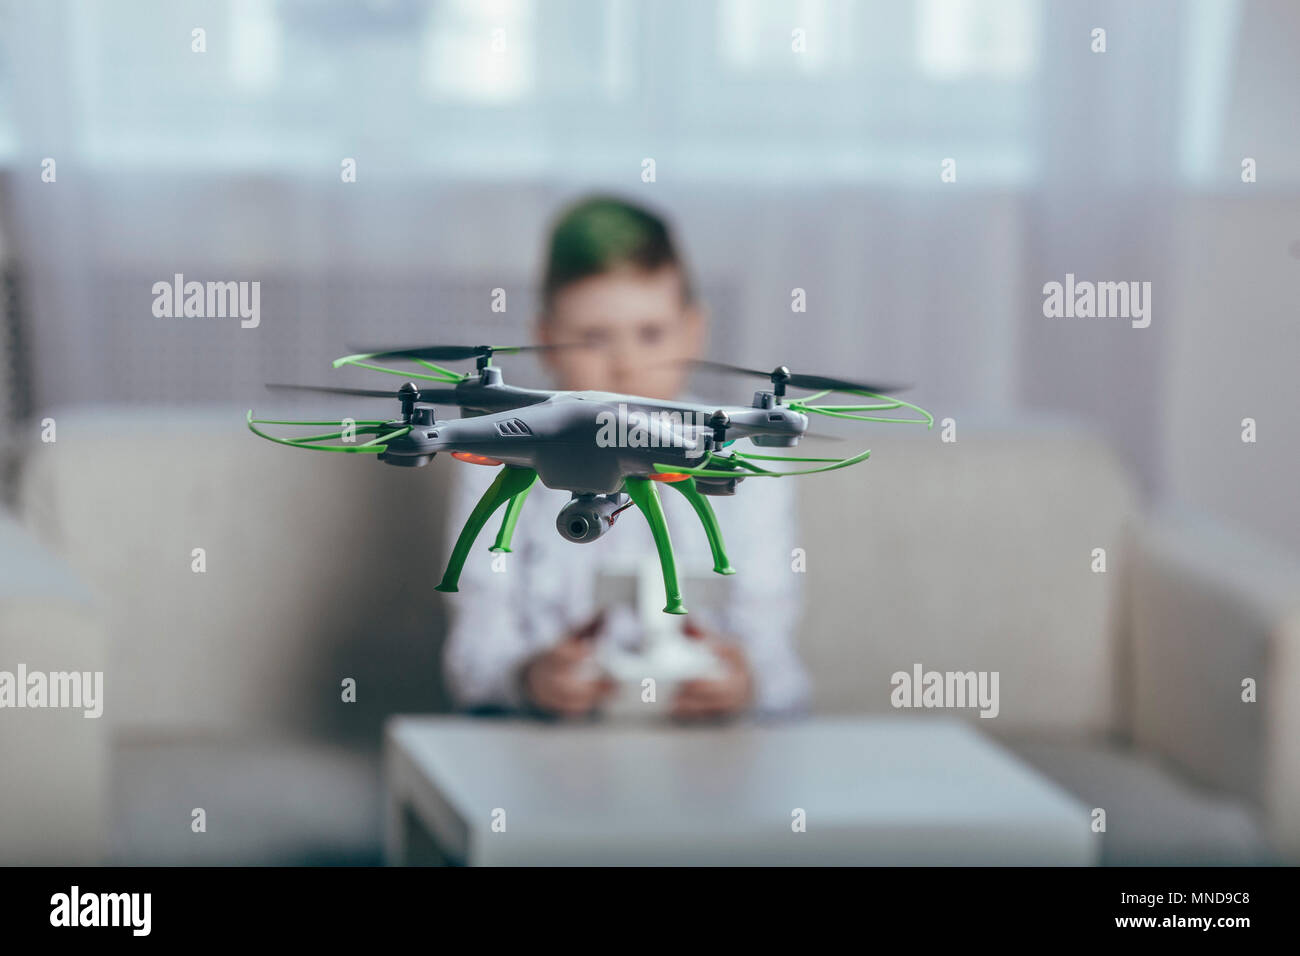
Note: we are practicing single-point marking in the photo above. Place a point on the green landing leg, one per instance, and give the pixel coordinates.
(513, 507)
(510, 486)
(710, 521)
(643, 493)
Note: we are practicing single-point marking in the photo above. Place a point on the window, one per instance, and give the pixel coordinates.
(571, 89)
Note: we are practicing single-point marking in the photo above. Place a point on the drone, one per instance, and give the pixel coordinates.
(609, 451)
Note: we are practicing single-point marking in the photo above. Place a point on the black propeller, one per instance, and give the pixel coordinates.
(451, 353)
(439, 394)
(782, 376)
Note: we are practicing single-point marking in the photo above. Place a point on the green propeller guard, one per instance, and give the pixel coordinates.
(374, 446)
(848, 411)
(727, 466)
(440, 374)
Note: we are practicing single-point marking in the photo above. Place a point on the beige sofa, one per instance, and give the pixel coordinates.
(224, 687)
(53, 761)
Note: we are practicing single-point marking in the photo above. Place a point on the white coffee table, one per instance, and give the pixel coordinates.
(875, 790)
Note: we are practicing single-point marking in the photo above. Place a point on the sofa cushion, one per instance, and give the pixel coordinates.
(318, 567)
(977, 556)
(1153, 816)
(53, 776)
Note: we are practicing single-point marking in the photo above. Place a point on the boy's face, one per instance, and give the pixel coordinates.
(639, 329)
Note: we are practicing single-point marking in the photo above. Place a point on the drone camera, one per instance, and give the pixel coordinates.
(587, 517)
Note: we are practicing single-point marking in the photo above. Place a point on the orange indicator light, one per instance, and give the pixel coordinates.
(474, 459)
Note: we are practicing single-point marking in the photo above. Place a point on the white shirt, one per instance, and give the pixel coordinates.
(548, 585)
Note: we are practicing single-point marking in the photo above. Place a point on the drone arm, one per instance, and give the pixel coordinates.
(513, 483)
(704, 511)
(646, 497)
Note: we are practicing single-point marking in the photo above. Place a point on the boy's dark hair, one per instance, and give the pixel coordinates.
(601, 235)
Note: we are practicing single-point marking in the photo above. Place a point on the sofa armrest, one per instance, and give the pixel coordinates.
(53, 791)
(1211, 606)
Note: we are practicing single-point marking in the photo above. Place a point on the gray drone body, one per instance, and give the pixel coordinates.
(586, 442)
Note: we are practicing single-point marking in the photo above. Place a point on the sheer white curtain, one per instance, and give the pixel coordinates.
(798, 144)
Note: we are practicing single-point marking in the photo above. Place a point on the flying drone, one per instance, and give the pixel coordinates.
(610, 451)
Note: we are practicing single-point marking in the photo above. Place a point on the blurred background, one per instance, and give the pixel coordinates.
(471, 123)
(818, 171)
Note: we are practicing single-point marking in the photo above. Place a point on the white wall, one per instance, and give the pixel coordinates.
(1235, 354)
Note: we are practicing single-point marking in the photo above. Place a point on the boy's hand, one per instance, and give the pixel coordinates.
(562, 681)
(716, 697)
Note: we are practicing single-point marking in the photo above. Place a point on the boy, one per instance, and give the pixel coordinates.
(523, 639)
